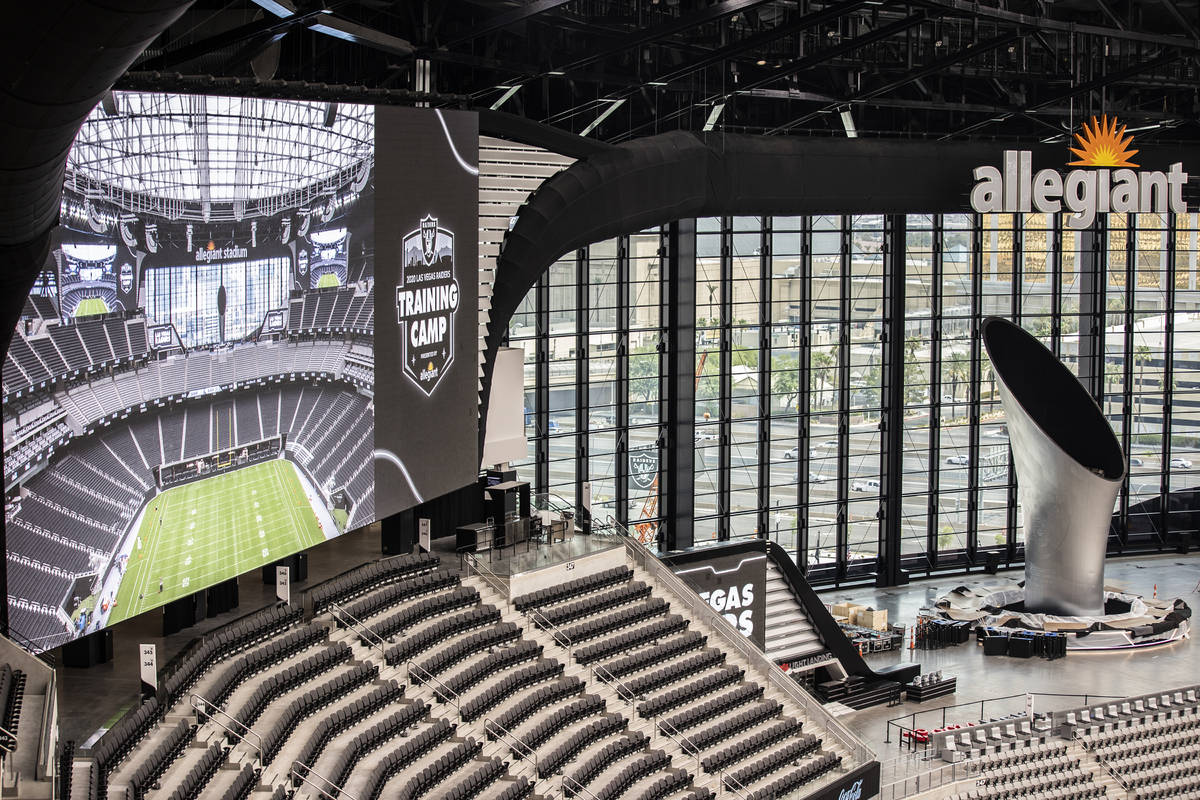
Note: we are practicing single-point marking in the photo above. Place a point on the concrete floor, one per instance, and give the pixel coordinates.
(980, 678)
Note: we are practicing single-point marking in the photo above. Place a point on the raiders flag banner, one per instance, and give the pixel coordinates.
(426, 319)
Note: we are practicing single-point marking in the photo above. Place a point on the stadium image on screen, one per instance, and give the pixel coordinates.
(189, 392)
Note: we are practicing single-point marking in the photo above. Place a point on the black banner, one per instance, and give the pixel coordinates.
(426, 312)
(860, 784)
(735, 587)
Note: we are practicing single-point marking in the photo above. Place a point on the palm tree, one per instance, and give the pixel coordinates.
(820, 362)
(1141, 357)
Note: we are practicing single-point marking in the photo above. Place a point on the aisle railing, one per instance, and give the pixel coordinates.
(776, 677)
(202, 706)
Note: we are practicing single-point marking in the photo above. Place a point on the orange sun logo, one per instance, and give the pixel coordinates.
(1103, 145)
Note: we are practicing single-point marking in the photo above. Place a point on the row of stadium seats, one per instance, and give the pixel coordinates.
(12, 696)
(202, 654)
(581, 708)
(675, 670)
(420, 784)
(524, 650)
(709, 682)
(408, 616)
(672, 623)
(700, 713)
(776, 759)
(399, 755)
(605, 725)
(167, 749)
(523, 678)
(573, 588)
(570, 612)
(311, 702)
(418, 586)
(487, 639)
(806, 772)
(332, 310)
(65, 350)
(422, 640)
(276, 684)
(200, 774)
(622, 618)
(289, 644)
(350, 715)
(361, 580)
(631, 742)
(783, 730)
(117, 742)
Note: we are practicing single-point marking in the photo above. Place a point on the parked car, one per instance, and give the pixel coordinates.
(816, 477)
(554, 427)
(959, 460)
(792, 454)
(705, 436)
(1134, 461)
(865, 485)
(1180, 463)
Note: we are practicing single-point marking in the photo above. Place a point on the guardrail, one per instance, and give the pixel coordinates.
(522, 750)
(495, 582)
(358, 626)
(605, 675)
(452, 696)
(680, 738)
(931, 779)
(732, 785)
(560, 636)
(337, 793)
(49, 739)
(577, 788)
(903, 730)
(1112, 773)
(204, 706)
(776, 677)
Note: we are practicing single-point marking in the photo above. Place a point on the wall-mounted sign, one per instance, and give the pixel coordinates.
(283, 584)
(148, 666)
(426, 301)
(1111, 187)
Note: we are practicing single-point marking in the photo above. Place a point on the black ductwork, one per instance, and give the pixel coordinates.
(58, 61)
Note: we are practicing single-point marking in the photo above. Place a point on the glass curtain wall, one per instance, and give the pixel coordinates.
(789, 376)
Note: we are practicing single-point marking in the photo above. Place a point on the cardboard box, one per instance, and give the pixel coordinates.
(875, 620)
(842, 609)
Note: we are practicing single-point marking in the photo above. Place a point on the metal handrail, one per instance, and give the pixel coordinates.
(429, 677)
(678, 737)
(206, 706)
(338, 792)
(8, 735)
(1077, 737)
(738, 790)
(930, 779)
(777, 677)
(605, 674)
(358, 626)
(488, 577)
(560, 636)
(578, 788)
(522, 750)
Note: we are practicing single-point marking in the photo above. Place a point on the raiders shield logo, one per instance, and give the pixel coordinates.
(643, 467)
(426, 302)
(126, 277)
(429, 231)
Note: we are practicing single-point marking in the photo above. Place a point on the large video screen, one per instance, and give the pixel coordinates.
(191, 390)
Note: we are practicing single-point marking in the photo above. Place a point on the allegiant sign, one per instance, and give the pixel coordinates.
(1082, 192)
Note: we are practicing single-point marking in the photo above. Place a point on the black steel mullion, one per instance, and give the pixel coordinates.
(621, 457)
(1168, 386)
(679, 433)
(583, 297)
(764, 380)
(725, 405)
(541, 405)
(804, 399)
(1055, 256)
(1128, 417)
(892, 395)
(1017, 277)
(935, 390)
(976, 388)
(843, 393)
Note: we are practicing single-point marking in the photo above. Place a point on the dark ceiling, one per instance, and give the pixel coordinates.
(618, 69)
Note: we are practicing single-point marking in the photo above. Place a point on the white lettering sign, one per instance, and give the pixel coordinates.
(1083, 193)
(283, 584)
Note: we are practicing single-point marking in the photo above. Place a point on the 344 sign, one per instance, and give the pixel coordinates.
(426, 303)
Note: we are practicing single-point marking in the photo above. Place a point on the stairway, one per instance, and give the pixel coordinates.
(789, 636)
